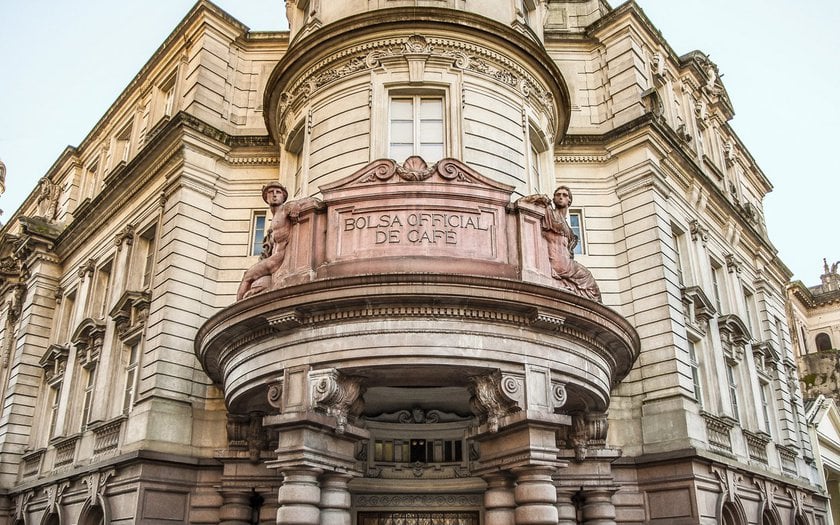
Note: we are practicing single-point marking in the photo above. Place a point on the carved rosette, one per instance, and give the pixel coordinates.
(337, 395)
(494, 397)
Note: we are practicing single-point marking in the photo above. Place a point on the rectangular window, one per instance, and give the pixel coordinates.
(147, 251)
(416, 128)
(87, 402)
(258, 232)
(733, 390)
(68, 307)
(123, 145)
(55, 398)
(169, 99)
(717, 271)
(749, 310)
(695, 372)
(679, 240)
(576, 224)
(102, 290)
(764, 391)
(131, 377)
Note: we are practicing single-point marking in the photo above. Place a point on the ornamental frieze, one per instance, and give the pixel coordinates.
(370, 55)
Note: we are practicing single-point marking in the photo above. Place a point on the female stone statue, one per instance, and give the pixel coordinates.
(561, 242)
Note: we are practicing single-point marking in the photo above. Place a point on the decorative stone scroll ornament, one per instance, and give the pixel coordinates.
(54, 494)
(561, 241)
(337, 395)
(258, 278)
(493, 397)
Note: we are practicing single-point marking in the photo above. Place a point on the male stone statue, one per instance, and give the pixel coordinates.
(258, 278)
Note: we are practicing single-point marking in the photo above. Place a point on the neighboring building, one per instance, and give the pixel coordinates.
(814, 317)
(824, 425)
(415, 359)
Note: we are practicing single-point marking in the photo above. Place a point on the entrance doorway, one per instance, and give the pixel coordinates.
(418, 518)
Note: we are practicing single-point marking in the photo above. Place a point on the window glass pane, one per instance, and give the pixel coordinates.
(400, 152)
(574, 224)
(259, 234)
(431, 131)
(402, 132)
(431, 152)
(402, 109)
(431, 108)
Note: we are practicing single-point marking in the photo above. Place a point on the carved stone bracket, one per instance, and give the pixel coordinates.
(495, 396)
(275, 394)
(732, 263)
(54, 495)
(698, 232)
(246, 432)
(337, 395)
(698, 308)
(96, 483)
(588, 430)
(21, 505)
(126, 235)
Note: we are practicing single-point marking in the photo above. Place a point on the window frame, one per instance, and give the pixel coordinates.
(580, 248)
(254, 234)
(417, 97)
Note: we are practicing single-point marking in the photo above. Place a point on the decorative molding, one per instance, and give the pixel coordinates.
(369, 55)
(423, 501)
(418, 416)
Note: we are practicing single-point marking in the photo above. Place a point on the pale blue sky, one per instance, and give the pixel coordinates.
(63, 63)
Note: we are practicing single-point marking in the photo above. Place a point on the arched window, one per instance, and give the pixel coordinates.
(731, 515)
(93, 516)
(769, 518)
(823, 341)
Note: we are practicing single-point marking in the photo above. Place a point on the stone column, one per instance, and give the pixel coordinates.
(299, 497)
(598, 508)
(335, 499)
(499, 501)
(536, 496)
(236, 508)
(566, 509)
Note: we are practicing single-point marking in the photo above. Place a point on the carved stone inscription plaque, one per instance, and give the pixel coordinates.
(427, 230)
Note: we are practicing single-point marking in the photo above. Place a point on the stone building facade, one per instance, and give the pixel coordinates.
(814, 316)
(424, 351)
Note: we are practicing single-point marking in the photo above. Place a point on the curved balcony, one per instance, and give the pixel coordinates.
(414, 286)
